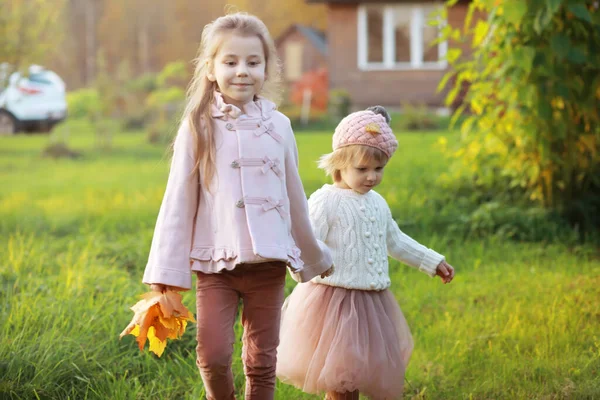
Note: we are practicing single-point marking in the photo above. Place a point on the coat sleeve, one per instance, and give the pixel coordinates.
(409, 251)
(314, 253)
(169, 259)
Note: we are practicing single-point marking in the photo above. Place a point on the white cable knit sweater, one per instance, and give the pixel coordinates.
(361, 233)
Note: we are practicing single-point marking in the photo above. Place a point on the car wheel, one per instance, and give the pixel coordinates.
(8, 125)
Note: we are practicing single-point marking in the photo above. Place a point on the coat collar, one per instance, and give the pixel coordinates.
(260, 107)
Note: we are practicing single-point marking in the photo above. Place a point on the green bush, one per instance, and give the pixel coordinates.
(150, 101)
(512, 222)
(136, 115)
(417, 118)
(165, 103)
(339, 104)
(146, 83)
(83, 103)
(533, 136)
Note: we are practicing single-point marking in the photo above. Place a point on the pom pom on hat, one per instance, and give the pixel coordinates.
(381, 111)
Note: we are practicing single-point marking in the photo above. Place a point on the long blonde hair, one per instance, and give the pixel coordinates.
(200, 94)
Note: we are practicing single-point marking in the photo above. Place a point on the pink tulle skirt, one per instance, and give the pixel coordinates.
(342, 340)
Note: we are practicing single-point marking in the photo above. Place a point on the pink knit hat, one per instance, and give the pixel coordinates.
(368, 128)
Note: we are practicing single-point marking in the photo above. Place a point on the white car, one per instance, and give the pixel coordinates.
(35, 102)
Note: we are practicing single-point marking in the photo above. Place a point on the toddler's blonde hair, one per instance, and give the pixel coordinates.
(344, 157)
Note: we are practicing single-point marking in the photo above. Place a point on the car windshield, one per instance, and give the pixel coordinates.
(39, 78)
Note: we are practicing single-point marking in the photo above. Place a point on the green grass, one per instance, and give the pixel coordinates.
(520, 320)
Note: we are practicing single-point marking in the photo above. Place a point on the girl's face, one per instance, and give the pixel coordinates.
(362, 176)
(239, 68)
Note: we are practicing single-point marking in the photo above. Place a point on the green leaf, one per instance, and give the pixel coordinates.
(524, 57)
(553, 6)
(457, 114)
(537, 23)
(440, 39)
(539, 59)
(581, 12)
(525, 95)
(544, 109)
(445, 80)
(456, 35)
(542, 19)
(445, 33)
(546, 18)
(468, 18)
(562, 91)
(481, 30)
(541, 63)
(453, 54)
(452, 95)
(467, 125)
(579, 85)
(576, 56)
(515, 13)
(560, 45)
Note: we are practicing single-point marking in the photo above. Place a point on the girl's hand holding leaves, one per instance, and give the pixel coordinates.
(158, 316)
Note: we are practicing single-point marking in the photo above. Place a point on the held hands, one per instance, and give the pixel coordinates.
(445, 271)
(328, 272)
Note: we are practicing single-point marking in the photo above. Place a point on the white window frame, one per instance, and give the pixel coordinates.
(389, 49)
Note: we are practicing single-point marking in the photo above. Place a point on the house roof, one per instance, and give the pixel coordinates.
(315, 36)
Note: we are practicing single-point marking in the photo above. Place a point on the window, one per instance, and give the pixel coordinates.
(374, 24)
(293, 60)
(399, 36)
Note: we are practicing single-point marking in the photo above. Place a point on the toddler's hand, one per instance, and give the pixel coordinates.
(328, 272)
(445, 271)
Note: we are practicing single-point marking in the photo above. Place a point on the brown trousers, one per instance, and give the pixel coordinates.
(261, 288)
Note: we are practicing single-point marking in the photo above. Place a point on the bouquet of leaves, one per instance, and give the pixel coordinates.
(158, 317)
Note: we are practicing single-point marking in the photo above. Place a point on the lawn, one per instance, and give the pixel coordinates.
(520, 321)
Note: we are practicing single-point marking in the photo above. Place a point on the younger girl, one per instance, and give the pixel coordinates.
(345, 334)
(234, 210)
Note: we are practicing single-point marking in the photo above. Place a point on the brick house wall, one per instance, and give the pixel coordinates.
(390, 88)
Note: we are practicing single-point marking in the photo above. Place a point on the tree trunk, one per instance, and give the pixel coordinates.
(90, 42)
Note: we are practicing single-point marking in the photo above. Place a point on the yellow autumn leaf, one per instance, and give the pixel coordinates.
(135, 331)
(158, 316)
(170, 323)
(481, 31)
(157, 346)
(477, 107)
(150, 317)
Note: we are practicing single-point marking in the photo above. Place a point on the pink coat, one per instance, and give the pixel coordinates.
(256, 209)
